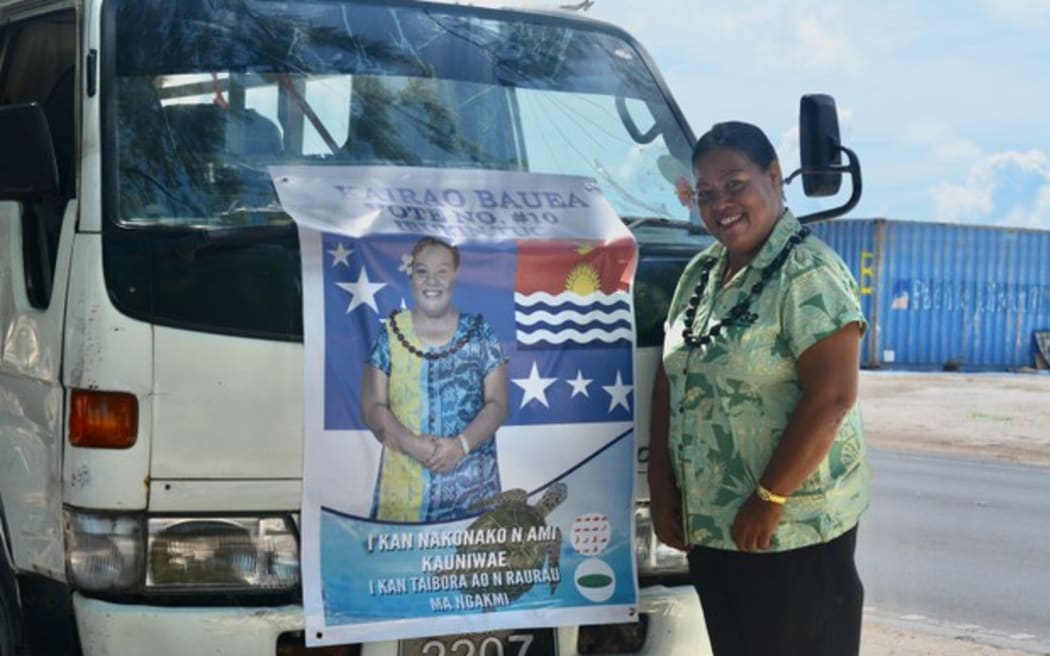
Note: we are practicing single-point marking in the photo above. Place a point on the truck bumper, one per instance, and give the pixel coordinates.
(675, 628)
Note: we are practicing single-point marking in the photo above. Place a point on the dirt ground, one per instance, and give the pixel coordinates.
(880, 637)
(997, 416)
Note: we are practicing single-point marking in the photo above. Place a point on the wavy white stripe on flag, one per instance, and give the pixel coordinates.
(563, 336)
(581, 300)
(575, 316)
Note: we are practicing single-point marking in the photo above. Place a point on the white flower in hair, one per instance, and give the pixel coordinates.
(406, 264)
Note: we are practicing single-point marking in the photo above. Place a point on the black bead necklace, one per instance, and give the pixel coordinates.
(741, 312)
(475, 326)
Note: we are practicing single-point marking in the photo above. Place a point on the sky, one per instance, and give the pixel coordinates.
(947, 105)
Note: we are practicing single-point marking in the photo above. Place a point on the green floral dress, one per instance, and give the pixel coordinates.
(732, 401)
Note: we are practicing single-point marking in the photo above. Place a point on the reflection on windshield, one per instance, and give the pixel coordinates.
(245, 84)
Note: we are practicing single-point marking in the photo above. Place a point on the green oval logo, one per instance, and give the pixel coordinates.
(594, 580)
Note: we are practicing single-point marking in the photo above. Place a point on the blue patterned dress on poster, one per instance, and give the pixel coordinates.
(437, 397)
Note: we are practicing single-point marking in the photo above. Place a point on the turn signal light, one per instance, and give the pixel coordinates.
(103, 420)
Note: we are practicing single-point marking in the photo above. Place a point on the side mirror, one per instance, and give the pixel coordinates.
(821, 147)
(821, 156)
(27, 158)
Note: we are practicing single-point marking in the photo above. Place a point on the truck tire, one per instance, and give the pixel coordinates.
(12, 640)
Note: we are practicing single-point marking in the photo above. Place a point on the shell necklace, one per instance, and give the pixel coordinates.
(741, 312)
(475, 326)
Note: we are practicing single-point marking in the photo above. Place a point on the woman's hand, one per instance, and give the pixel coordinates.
(665, 508)
(665, 499)
(755, 524)
(445, 456)
(420, 447)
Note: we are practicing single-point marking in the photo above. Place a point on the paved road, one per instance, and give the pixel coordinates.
(959, 543)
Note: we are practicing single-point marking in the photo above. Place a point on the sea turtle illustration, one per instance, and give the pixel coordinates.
(511, 511)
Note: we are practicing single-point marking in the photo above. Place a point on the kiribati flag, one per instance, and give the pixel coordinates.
(574, 332)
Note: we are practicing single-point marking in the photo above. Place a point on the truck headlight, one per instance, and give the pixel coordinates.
(222, 554)
(103, 552)
(655, 559)
(125, 553)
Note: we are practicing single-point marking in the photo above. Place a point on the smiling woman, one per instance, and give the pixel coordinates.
(738, 190)
(759, 470)
(434, 392)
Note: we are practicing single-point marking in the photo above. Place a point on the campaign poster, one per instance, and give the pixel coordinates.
(469, 402)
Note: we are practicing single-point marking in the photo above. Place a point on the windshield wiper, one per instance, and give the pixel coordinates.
(633, 222)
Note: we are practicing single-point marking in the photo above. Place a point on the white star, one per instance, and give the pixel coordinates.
(363, 291)
(339, 255)
(579, 384)
(534, 386)
(618, 393)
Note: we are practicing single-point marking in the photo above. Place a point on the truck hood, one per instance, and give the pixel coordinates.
(226, 408)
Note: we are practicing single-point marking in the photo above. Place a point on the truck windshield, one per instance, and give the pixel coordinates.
(243, 84)
(202, 96)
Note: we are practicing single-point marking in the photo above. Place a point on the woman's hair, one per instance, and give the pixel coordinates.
(739, 136)
(434, 241)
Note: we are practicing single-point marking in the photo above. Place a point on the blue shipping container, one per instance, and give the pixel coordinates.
(944, 296)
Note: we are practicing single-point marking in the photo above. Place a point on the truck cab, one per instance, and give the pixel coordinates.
(151, 413)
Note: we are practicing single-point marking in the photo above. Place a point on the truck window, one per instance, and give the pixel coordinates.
(39, 65)
(664, 253)
(195, 125)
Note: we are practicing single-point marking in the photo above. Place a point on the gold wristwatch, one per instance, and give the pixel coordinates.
(771, 497)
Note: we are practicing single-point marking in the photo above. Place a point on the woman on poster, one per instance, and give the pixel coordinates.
(434, 391)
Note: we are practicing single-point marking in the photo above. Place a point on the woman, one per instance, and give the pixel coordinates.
(434, 392)
(758, 469)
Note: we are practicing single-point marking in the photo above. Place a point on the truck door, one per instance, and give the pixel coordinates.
(39, 66)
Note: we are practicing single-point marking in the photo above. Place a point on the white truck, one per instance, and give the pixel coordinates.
(151, 362)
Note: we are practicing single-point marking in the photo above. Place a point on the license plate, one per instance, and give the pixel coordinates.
(518, 642)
